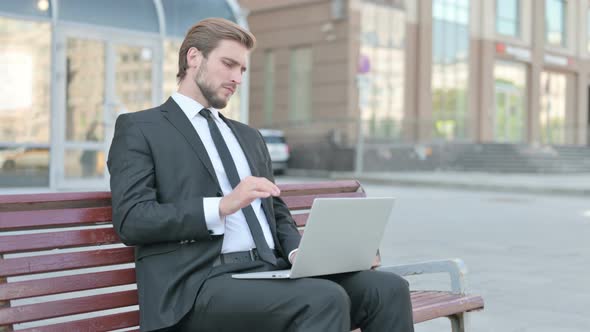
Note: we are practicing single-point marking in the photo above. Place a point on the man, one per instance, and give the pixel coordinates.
(194, 193)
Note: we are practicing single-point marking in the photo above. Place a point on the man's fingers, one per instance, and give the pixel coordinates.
(263, 184)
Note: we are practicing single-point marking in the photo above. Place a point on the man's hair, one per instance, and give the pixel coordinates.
(206, 35)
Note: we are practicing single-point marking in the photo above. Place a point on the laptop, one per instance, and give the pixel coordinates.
(341, 235)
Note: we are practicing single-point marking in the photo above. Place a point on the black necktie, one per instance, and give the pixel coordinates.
(234, 179)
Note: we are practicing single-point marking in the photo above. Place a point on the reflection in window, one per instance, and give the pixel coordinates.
(553, 103)
(510, 91)
(507, 17)
(300, 84)
(382, 70)
(232, 110)
(85, 90)
(136, 95)
(555, 22)
(24, 166)
(171, 47)
(24, 62)
(269, 86)
(25, 59)
(450, 52)
(88, 163)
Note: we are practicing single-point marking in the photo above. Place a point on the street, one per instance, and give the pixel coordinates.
(527, 255)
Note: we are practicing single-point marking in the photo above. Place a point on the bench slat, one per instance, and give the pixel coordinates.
(54, 197)
(449, 305)
(434, 298)
(57, 285)
(319, 188)
(305, 202)
(301, 219)
(33, 312)
(102, 323)
(53, 240)
(75, 260)
(20, 220)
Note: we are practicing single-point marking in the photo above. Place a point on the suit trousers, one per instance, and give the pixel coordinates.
(372, 300)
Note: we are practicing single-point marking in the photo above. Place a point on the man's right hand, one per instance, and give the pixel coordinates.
(248, 190)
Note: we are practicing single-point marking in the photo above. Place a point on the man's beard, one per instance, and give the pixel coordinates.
(207, 90)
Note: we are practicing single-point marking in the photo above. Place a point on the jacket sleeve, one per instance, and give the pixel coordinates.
(138, 217)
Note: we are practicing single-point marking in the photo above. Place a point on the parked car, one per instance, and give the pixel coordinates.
(25, 158)
(277, 148)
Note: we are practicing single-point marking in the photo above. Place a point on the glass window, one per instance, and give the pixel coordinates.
(232, 110)
(25, 62)
(85, 90)
(553, 103)
(300, 84)
(133, 61)
(382, 70)
(144, 17)
(182, 14)
(508, 17)
(450, 68)
(32, 8)
(84, 163)
(269, 86)
(555, 22)
(170, 83)
(510, 96)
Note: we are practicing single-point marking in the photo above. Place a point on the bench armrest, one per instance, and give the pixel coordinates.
(454, 267)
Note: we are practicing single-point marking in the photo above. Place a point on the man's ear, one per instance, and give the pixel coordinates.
(194, 57)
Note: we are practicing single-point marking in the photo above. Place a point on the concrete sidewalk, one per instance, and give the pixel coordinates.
(555, 184)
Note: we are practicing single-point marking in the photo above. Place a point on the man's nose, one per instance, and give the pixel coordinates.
(237, 76)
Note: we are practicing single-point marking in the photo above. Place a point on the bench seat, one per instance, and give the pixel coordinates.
(61, 263)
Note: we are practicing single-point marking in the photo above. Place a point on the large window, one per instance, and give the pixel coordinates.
(170, 85)
(25, 59)
(269, 86)
(510, 95)
(553, 105)
(450, 62)
(508, 17)
(382, 70)
(555, 22)
(300, 84)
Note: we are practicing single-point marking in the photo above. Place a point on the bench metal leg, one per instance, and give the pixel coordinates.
(458, 322)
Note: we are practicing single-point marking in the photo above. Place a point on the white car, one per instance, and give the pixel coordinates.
(277, 148)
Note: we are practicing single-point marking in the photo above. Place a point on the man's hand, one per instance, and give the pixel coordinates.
(376, 262)
(248, 190)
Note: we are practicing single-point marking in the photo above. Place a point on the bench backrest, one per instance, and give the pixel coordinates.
(61, 262)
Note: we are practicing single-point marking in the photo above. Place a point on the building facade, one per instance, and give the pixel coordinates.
(69, 67)
(361, 75)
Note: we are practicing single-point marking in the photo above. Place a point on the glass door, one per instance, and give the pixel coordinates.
(510, 108)
(100, 78)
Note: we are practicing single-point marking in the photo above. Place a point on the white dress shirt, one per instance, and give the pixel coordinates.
(237, 233)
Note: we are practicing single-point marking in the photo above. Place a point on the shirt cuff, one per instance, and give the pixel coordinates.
(215, 224)
(290, 257)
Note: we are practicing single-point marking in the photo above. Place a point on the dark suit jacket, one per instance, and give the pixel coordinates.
(160, 173)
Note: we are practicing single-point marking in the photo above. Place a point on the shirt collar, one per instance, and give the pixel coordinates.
(191, 107)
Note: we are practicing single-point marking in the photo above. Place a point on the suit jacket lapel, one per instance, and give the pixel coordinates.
(174, 114)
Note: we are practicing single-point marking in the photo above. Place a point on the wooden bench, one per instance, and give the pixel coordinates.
(63, 268)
